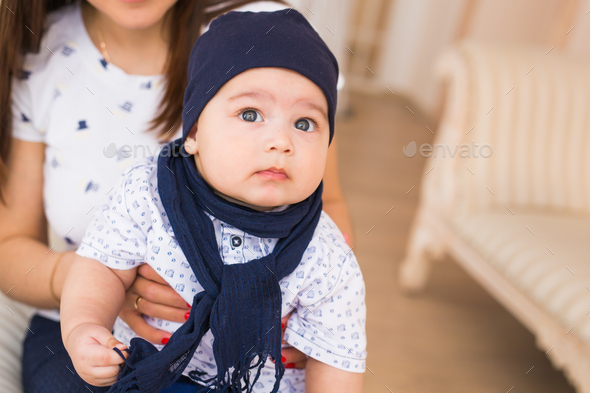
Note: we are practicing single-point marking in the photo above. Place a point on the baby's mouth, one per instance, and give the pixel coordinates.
(273, 173)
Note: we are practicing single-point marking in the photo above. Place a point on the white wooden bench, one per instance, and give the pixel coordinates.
(517, 221)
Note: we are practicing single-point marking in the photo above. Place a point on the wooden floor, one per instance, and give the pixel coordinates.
(454, 337)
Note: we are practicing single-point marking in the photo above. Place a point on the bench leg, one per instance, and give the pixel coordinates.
(426, 244)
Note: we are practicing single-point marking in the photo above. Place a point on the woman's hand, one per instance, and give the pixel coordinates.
(292, 357)
(158, 300)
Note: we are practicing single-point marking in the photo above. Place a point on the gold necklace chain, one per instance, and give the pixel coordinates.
(103, 46)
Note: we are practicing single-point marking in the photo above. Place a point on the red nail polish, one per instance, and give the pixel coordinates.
(282, 325)
(290, 365)
(164, 340)
(283, 359)
(186, 316)
(188, 305)
(346, 238)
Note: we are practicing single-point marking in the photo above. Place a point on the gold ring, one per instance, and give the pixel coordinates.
(136, 304)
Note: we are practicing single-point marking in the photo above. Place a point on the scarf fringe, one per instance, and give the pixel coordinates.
(239, 379)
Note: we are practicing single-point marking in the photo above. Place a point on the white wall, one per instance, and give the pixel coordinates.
(419, 30)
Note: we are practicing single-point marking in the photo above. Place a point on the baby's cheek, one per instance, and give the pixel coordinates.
(238, 158)
(227, 183)
(312, 173)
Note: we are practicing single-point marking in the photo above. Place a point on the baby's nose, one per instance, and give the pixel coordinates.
(280, 141)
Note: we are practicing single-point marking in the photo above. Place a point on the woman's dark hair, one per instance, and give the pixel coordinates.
(19, 19)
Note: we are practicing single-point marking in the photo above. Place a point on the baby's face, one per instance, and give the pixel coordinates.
(262, 140)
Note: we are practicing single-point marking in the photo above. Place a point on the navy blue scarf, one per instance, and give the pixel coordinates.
(241, 303)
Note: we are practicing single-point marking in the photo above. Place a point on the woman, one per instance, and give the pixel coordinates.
(104, 89)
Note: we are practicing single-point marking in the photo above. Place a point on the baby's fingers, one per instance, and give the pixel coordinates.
(113, 342)
(104, 355)
(101, 356)
(105, 376)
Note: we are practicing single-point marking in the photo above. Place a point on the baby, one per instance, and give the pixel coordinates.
(230, 215)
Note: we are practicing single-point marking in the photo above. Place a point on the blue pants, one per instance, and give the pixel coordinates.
(47, 367)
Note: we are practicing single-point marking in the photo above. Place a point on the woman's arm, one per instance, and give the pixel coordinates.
(322, 378)
(333, 199)
(25, 259)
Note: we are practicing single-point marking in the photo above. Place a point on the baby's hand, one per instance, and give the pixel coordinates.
(90, 347)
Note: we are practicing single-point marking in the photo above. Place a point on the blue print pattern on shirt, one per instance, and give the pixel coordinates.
(127, 106)
(91, 186)
(82, 125)
(66, 51)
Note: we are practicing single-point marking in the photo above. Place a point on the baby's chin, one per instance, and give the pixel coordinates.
(266, 203)
(270, 197)
(257, 202)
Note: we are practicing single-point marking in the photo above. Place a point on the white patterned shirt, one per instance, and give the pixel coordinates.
(326, 290)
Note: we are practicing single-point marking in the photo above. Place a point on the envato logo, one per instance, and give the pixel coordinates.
(465, 150)
(140, 151)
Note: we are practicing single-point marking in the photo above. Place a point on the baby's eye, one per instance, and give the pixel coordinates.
(304, 125)
(251, 116)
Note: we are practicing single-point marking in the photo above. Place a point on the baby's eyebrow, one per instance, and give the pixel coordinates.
(269, 97)
(314, 106)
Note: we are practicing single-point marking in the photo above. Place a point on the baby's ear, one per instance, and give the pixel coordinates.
(193, 132)
(190, 143)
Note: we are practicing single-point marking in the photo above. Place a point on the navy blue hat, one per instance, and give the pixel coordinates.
(239, 41)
